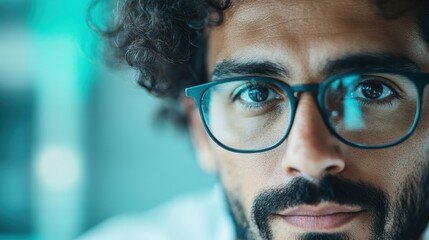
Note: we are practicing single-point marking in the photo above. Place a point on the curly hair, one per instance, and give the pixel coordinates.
(165, 41)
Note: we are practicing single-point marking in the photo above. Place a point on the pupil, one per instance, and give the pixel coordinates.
(258, 94)
(372, 89)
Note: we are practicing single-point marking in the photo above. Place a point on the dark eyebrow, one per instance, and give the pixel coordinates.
(371, 61)
(240, 67)
(365, 61)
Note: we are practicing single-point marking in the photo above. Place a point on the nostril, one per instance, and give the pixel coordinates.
(332, 169)
(293, 171)
(336, 166)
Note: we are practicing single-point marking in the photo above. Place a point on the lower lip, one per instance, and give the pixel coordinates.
(323, 222)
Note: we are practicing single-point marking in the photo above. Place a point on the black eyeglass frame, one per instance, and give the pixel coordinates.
(419, 79)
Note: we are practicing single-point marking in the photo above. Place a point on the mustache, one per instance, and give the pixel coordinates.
(330, 188)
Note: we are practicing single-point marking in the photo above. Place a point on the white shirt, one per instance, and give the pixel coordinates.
(200, 216)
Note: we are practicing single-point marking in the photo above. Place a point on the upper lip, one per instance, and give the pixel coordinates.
(322, 209)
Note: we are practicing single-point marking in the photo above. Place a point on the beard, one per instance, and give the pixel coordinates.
(406, 220)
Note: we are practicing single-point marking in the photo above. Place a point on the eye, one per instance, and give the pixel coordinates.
(372, 90)
(257, 94)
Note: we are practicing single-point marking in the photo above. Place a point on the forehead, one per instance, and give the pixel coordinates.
(295, 12)
(307, 33)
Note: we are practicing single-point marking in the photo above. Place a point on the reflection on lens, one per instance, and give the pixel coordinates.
(371, 109)
(353, 116)
(246, 115)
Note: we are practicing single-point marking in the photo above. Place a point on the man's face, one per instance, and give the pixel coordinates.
(368, 193)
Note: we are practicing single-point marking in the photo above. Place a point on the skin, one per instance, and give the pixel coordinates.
(303, 36)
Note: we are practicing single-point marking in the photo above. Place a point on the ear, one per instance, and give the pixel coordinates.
(201, 141)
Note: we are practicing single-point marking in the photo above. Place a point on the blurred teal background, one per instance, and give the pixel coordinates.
(78, 140)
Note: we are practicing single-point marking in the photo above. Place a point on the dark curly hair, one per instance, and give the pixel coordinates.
(164, 39)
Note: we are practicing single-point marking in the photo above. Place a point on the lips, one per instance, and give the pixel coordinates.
(324, 216)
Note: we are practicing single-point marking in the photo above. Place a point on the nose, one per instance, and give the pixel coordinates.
(311, 151)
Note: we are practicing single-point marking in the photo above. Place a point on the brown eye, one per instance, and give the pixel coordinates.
(372, 90)
(258, 94)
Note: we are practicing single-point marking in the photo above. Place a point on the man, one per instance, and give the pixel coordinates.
(315, 114)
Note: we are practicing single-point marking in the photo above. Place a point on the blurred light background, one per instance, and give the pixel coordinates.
(78, 140)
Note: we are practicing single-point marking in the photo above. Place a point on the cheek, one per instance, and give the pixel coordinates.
(386, 169)
(246, 175)
(415, 150)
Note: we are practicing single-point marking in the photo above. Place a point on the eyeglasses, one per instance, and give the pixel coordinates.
(370, 110)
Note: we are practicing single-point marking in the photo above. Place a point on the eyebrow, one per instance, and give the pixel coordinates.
(240, 67)
(366, 61)
(371, 61)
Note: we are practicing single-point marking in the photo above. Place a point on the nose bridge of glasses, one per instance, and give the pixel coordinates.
(312, 87)
(300, 88)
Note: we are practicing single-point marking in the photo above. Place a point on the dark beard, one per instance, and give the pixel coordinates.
(410, 213)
